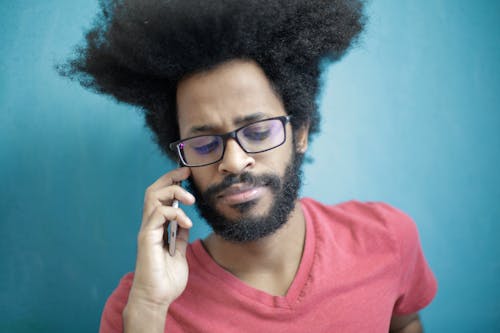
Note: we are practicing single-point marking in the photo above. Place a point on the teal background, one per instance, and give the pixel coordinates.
(410, 117)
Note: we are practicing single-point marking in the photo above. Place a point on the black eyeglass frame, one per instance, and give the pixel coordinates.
(175, 146)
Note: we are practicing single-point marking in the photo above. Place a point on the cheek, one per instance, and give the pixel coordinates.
(276, 160)
(202, 177)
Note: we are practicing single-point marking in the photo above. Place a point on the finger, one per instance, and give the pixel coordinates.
(165, 214)
(165, 196)
(171, 177)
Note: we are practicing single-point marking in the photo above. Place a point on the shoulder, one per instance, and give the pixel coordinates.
(374, 222)
(120, 294)
(111, 319)
(353, 210)
(370, 210)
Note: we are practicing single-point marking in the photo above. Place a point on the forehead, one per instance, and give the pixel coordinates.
(225, 97)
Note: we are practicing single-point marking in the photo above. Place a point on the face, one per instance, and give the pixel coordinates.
(243, 196)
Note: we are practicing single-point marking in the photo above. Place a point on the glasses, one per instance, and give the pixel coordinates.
(257, 137)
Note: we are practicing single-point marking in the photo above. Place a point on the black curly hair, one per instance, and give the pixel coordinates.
(138, 50)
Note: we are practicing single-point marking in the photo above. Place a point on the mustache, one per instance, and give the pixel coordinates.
(271, 180)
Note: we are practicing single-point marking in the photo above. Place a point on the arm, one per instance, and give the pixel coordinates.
(406, 324)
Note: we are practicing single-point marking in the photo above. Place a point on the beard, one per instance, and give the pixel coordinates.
(247, 228)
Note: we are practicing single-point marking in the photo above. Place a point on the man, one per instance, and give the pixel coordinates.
(229, 88)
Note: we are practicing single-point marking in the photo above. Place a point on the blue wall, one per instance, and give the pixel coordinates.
(411, 117)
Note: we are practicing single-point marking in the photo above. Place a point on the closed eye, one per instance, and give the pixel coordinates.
(203, 145)
(257, 135)
(208, 148)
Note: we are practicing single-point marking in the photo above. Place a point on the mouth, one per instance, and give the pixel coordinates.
(238, 194)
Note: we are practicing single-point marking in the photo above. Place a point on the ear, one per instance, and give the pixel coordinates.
(301, 138)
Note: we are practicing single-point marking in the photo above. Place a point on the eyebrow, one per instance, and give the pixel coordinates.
(239, 121)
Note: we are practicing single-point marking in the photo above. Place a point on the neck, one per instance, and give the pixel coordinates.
(270, 263)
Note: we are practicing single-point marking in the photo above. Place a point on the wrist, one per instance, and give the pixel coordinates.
(147, 297)
(137, 303)
(140, 316)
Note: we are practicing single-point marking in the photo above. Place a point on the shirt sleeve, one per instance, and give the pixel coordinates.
(112, 318)
(417, 284)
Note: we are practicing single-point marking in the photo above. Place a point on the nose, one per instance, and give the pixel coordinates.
(235, 160)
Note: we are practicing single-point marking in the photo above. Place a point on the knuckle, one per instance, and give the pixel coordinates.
(160, 210)
(148, 195)
(149, 189)
(169, 212)
(164, 211)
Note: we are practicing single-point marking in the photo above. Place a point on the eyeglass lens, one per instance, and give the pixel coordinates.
(253, 138)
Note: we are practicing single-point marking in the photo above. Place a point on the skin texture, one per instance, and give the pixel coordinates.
(220, 100)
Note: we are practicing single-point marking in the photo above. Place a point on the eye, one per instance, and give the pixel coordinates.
(204, 145)
(257, 132)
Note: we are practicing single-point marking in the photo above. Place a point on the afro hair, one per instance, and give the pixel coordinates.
(138, 50)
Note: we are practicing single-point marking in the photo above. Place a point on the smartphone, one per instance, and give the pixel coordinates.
(172, 226)
(172, 231)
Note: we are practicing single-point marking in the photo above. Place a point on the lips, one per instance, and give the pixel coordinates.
(237, 194)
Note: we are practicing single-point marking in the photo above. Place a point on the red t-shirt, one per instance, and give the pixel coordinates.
(362, 263)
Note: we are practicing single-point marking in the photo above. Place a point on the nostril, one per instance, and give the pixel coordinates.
(235, 159)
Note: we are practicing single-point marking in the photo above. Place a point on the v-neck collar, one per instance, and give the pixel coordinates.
(296, 288)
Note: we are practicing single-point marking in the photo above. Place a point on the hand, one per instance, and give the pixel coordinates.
(160, 278)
